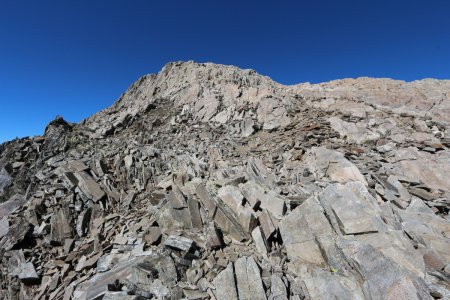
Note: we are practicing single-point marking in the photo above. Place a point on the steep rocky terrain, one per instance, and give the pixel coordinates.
(206, 181)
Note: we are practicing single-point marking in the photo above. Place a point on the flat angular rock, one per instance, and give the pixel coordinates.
(246, 218)
(218, 211)
(7, 207)
(128, 199)
(277, 288)
(77, 166)
(397, 246)
(300, 230)
(90, 188)
(324, 162)
(260, 241)
(16, 234)
(194, 211)
(179, 243)
(231, 196)
(195, 295)
(402, 191)
(272, 114)
(107, 262)
(83, 222)
(355, 133)
(120, 296)
(257, 196)
(419, 166)
(355, 213)
(259, 173)
(28, 273)
(153, 236)
(426, 229)
(60, 226)
(213, 236)
(173, 219)
(177, 198)
(326, 285)
(422, 194)
(5, 179)
(383, 279)
(225, 284)
(247, 127)
(248, 278)
(268, 225)
(4, 227)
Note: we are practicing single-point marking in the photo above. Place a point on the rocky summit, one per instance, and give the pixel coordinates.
(207, 181)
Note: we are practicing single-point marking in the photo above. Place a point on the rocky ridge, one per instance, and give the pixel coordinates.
(206, 181)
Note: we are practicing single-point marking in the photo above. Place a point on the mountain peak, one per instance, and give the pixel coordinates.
(206, 180)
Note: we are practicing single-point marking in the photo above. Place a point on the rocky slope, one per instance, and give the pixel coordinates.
(206, 181)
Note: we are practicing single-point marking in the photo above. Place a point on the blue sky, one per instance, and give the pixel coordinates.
(73, 58)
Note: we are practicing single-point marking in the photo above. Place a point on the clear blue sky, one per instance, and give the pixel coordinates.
(74, 58)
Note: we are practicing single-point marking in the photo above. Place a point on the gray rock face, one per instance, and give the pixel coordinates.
(354, 210)
(225, 284)
(206, 181)
(248, 279)
(5, 179)
(302, 229)
(324, 162)
(382, 278)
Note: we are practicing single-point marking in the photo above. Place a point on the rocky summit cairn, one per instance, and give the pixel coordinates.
(206, 181)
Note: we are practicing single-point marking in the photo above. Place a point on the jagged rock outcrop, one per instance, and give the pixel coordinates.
(206, 181)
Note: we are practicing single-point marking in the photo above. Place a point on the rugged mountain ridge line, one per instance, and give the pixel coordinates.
(207, 181)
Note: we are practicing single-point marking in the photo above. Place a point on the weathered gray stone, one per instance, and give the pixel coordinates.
(60, 226)
(247, 127)
(179, 243)
(246, 218)
(120, 296)
(5, 179)
(177, 198)
(355, 133)
(107, 262)
(322, 284)
(128, 199)
(7, 207)
(194, 212)
(195, 295)
(225, 284)
(90, 188)
(419, 166)
(383, 279)
(213, 236)
(324, 162)
(153, 236)
(83, 222)
(277, 288)
(77, 166)
(231, 196)
(354, 209)
(258, 197)
(27, 272)
(4, 227)
(395, 245)
(258, 172)
(260, 241)
(218, 211)
(426, 229)
(248, 279)
(300, 230)
(268, 225)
